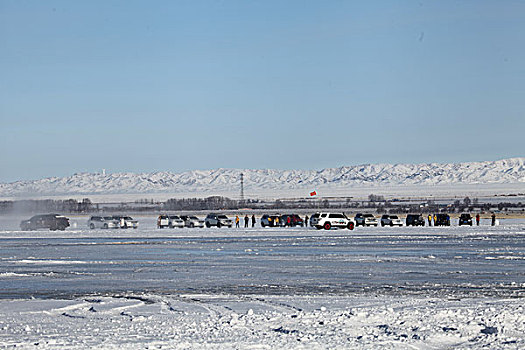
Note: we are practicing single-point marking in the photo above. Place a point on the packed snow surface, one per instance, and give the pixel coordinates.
(263, 288)
(507, 171)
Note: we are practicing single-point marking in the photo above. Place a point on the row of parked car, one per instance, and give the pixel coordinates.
(317, 220)
(115, 221)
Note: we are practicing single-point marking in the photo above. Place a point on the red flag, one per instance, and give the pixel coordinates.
(313, 193)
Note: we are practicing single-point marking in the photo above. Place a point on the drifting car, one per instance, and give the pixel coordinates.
(365, 220)
(465, 219)
(391, 220)
(334, 220)
(415, 220)
(52, 222)
(104, 222)
(218, 220)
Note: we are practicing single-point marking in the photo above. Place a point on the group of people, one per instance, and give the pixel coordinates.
(246, 221)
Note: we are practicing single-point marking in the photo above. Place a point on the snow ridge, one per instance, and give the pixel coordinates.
(489, 172)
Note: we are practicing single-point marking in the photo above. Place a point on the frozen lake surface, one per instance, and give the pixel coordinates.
(431, 260)
(417, 288)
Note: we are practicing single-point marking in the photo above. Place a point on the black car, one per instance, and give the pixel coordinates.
(415, 220)
(442, 220)
(52, 222)
(465, 219)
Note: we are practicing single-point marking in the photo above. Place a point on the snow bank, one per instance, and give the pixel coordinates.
(262, 322)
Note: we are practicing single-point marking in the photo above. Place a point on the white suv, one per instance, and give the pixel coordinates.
(391, 220)
(338, 220)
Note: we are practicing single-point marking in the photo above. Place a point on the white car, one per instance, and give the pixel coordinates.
(163, 221)
(218, 220)
(192, 221)
(365, 220)
(175, 221)
(169, 221)
(391, 220)
(102, 222)
(126, 221)
(337, 220)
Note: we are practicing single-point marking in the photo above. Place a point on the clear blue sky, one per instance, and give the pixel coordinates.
(179, 85)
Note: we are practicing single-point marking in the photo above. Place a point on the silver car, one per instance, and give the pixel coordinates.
(102, 222)
(192, 221)
(218, 220)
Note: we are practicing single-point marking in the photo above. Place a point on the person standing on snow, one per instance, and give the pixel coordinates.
(477, 219)
(306, 221)
(236, 220)
(253, 220)
(246, 219)
(289, 221)
(493, 217)
(429, 220)
(435, 219)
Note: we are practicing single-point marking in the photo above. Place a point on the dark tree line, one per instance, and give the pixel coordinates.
(210, 203)
(375, 203)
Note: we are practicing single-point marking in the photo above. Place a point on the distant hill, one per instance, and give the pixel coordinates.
(504, 171)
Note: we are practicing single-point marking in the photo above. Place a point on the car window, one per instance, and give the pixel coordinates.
(336, 216)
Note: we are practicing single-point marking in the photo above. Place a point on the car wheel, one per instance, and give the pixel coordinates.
(327, 226)
(208, 224)
(382, 224)
(263, 224)
(105, 226)
(350, 226)
(391, 224)
(219, 224)
(92, 226)
(192, 225)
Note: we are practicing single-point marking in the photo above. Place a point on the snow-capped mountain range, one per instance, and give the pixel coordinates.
(504, 171)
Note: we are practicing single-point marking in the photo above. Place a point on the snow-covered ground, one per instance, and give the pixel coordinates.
(263, 322)
(422, 288)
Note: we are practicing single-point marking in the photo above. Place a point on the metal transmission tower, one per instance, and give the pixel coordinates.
(242, 187)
